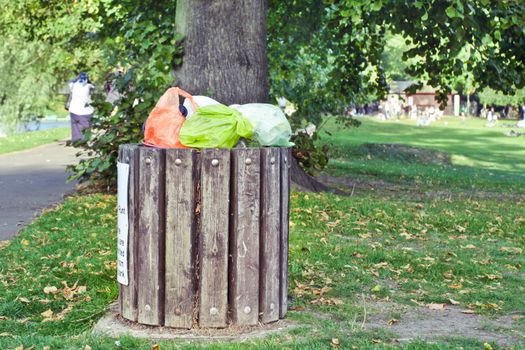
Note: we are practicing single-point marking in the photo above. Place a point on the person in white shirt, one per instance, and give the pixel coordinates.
(80, 108)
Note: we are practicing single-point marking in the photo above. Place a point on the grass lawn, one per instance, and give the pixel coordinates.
(27, 140)
(363, 268)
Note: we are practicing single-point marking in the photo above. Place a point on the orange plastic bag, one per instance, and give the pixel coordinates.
(165, 120)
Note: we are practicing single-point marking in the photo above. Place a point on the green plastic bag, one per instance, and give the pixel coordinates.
(215, 126)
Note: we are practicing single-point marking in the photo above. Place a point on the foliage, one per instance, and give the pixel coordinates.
(491, 97)
(326, 55)
(39, 51)
(142, 44)
(348, 37)
(310, 156)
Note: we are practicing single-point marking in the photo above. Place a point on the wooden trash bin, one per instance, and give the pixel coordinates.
(207, 236)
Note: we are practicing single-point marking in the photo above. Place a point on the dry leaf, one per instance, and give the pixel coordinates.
(468, 311)
(392, 321)
(47, 314)
(50, 290)
(453, 302)
(511, 250)
(488, 346)
(155, 347)
(469, 246)
(455, 286)
(25, 242)
(335, 341)
(87, 347)
(436, 306)
(24, 300)
(296, 308)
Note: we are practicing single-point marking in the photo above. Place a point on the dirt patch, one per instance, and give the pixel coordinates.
(405, 153)
(410, 323)
(370, 185)
(113, 325)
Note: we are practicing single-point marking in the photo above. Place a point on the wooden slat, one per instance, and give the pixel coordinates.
(270, 235)
(286, 155)
(180, 237)
(244, 236)
(128, 294)
(213, 238)
(151, 237)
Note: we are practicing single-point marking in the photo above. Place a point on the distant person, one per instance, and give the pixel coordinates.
(80, 108)
(522, 112)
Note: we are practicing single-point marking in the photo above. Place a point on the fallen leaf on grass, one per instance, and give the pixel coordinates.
(436, 306)
(453, 302)
(296, 308)
(511, 250)
(5, 334)
(376, 288)
(47, 315)
(488, 346)
(25, 242)
(335, 341)
(24, 300)
(469, 246)
(468, 312)
(392, 321)
(455, 286)
(155, 347)
(50, 290)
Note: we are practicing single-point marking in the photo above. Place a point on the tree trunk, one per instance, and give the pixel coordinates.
(225, 55)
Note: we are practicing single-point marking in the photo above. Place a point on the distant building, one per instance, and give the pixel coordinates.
(422, 99)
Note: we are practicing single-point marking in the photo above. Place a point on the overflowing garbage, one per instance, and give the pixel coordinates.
(202, 122)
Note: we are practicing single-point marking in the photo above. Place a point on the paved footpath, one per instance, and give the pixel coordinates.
(31, 181)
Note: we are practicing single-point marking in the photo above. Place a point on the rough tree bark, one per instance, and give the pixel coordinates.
(225, 56)
(225, 53)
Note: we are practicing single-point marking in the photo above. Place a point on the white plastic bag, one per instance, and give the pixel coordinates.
(201, 101)
(270, 124)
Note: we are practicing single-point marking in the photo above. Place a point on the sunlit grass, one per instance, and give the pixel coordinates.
(27, 140)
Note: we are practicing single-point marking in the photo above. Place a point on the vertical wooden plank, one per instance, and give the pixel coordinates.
(151, 237)
(270, 235)
(286, 155)
(244, 236)
(180, 237)
(213, 238)
(128, 294)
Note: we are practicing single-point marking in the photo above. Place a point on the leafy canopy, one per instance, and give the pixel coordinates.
(323, 55)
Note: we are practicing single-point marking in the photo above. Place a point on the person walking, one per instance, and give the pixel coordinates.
(80, 109)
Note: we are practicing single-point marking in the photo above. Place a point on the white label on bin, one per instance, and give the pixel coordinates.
(123, 226)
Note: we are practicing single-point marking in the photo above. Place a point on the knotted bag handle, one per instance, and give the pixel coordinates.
(171, 97)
